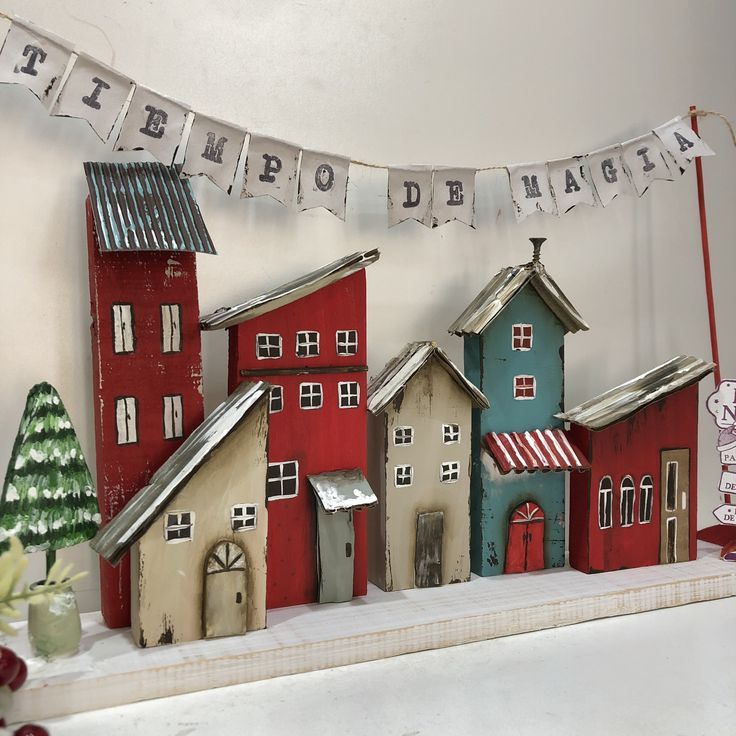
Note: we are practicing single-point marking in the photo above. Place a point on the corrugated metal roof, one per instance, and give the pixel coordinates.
(624, 400)
(538, 449)
(145, 206)
(113, 541)
(289, 292)
(400, 370)
(503, 287)
(342, 490)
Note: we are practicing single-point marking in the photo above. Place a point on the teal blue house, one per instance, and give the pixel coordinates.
(514, 333)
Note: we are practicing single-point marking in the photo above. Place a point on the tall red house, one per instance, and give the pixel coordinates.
(637, 505)
(308, 339)
(143, 230)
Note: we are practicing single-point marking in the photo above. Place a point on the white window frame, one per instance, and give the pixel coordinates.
(602, 493)
(450, 471)
(178, 526)
(309, 387)
(521, 326)
(281, 478)
(126, 419)
(171, 328)
(406, 431)
(525, 388)
(451, 434)
(628, 490)
(123, 329)
(267, 345)
(646, 495)
(309, 344)
(344, 394)
(275, 394)
(347, 342)
(173, 417)
(244, 512)
(401, 468)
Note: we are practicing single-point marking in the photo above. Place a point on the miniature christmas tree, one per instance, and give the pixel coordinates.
(48, 500)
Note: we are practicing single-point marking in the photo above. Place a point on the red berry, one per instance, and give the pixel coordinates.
(21, 677)
(31, 729)
(9, 665)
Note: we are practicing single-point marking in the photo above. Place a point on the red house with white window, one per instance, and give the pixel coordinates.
(143, 230)
(308, 339)
(637, 505)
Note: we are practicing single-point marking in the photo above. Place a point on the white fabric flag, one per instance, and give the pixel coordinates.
(95, 93)
(410, 195)
(608, 174)
(213, 149)
(530, 190)
(270, 169)
(153, 123)
(453, 196)
(645, 160)
(682, 142)
(30, 58)
(323, 182)
(570, 181)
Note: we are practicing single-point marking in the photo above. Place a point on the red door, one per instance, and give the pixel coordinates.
(525, 548)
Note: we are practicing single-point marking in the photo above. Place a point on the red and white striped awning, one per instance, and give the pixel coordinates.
(537, 449)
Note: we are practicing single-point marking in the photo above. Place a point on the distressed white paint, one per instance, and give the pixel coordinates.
(530, 190)
(681, 142)
(323, 182)
(645, 160)
(570, 181)
(608, 174)
(270, 169)
(453, 196)
(409, 195)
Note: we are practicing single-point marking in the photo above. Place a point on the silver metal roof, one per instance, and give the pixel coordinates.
(503, 287)
(624, 400)
(400, 370)
(145, 206)
(289, 292)
(342, 490)
(113, 541)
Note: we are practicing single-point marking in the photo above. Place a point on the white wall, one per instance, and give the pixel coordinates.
(474, 83)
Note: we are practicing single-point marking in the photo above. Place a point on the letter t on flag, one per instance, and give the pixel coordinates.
(410, 195)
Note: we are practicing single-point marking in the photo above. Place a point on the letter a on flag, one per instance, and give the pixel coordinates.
(682, 142)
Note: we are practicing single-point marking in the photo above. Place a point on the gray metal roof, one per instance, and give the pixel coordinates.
(145, 206)
(113, 540)
(342, 490)
(624, 400)
(289, 292)
(401, 369)
(503, 287)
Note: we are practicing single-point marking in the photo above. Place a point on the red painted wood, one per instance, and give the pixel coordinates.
(145, 280)
(525, 545)
(631, 447)
(321, 440)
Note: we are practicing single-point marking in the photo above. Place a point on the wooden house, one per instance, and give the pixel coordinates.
(143, 231)
(637, 505)
(419, 465)
(514, 333)
(198, 530)
(308, 339)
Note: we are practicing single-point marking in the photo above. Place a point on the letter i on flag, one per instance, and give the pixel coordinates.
(410, 195)
(530, 190)
(644, 159)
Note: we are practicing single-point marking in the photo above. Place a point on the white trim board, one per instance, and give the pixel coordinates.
(110, 670)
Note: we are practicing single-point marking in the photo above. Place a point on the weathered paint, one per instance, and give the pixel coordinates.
(525, 546)
(428, 551)
(225, 610)
(170, 578)
(335, 545)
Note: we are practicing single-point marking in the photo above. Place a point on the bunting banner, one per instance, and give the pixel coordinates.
(72, 84)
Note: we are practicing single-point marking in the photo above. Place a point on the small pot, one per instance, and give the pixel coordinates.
(54, 626)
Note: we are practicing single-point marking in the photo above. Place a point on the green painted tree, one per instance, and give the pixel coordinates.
(48, 499)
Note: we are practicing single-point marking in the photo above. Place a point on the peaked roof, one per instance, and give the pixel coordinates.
(622, 401)
(401, 369)
(145, 206)
(289, 292)
(503, 287)
(113, 541)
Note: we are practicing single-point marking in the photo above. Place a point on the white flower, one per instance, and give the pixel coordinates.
(55, 399)
(57, 523)
(97, 518)
(12, 494)
(37, 455)
(47, 493)
(59, 492)
(42, 528)
(32, 492)
(57, 452)
(20, 461)
(72, 452)
(39, 427)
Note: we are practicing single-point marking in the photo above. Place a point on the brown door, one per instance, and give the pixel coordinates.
(428, 551)
(225, 587)
(674, 489)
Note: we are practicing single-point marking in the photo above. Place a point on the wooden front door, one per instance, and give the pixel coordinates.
(525, 546)
(674, 491)
(428, 549)
(225, 587)
(335, 549)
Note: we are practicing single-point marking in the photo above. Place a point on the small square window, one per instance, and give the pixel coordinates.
(525, 387)
(347, 342)
(451, 434)
(282, 480)
(268, 346)
(310, 395)
(178, 526)
(521, 337)
(243, 517)
(276, 399)
(403, 475)
(450, 472)
(348, 394)
(404, 435)
(307, 344)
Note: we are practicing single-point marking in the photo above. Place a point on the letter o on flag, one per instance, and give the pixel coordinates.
(324, 177)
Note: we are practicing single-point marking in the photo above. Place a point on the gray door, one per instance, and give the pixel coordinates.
(225, 588)
(335, 549)
(428, 552)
